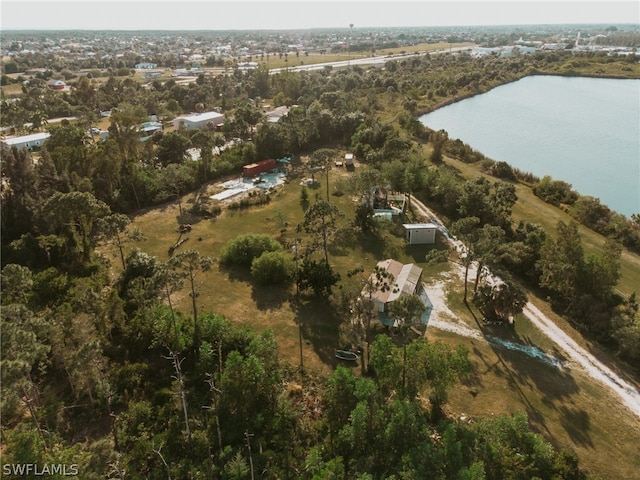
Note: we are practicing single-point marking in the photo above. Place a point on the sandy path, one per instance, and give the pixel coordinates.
(444, 319)
(590, 364)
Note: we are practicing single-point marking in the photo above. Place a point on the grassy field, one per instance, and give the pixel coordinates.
(13, 90)
(422, 48)
(231, 293)
(568, 408)
(314, 58)
(571, 410)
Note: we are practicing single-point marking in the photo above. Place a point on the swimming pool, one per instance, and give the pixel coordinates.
(267, 179)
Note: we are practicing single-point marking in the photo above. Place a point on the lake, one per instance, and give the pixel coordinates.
(585, 131)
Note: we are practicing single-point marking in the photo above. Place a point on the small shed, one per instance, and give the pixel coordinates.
(420, 233)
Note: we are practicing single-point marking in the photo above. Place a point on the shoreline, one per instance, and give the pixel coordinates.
(426, 110)
(525, 177)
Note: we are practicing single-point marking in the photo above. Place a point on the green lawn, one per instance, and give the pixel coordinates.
(231, 292)
(572, 411)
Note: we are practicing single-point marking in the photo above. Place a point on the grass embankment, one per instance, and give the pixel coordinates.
(566, 406)
(532, 209)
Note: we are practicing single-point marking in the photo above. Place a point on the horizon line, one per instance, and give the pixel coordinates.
(163, 29)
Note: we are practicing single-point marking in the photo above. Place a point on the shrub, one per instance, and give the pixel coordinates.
(273, 268)
(555, 191)
(436, 256)
(590, 212)
(253, 199)
(318, 276)
(502, 170)
(244, 248)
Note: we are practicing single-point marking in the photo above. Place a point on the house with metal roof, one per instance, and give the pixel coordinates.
(198, 121)
(405, 279)
(35, 140)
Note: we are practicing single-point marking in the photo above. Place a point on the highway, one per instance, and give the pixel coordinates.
(376, 60)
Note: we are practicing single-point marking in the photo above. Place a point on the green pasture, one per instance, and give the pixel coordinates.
(572, 411)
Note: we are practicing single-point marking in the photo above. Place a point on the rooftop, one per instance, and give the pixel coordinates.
(201, 117)
(27, 138)
(405, 280)
(416, 226)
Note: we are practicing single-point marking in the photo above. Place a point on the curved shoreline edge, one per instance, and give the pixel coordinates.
(427, 110)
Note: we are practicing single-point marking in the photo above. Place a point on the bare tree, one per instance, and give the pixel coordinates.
(158, 451)
(215, 393)
(182, 393)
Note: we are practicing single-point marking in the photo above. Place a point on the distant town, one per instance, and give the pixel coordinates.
(66, 54)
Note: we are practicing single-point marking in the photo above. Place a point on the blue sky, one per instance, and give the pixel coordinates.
(268, 14)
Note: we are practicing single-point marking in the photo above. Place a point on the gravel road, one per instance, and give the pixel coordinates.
(577, 355)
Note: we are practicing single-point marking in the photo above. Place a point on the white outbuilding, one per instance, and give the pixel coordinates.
(420, 233)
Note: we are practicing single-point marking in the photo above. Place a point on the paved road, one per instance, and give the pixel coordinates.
(378, 60)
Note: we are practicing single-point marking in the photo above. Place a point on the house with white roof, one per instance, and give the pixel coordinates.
(198, 121)
(35, 140)
(277, 114)
(145, 66)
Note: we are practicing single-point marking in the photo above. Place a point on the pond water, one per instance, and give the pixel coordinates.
(585, 131)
